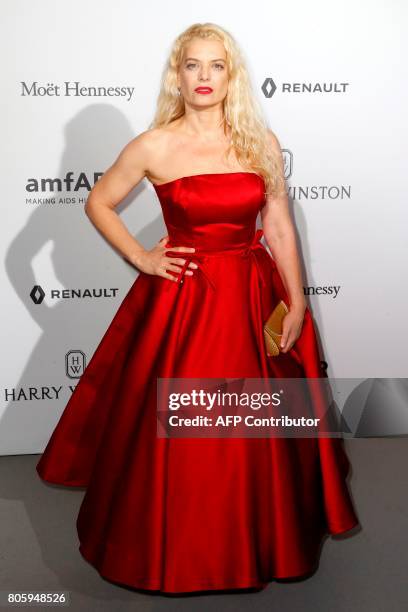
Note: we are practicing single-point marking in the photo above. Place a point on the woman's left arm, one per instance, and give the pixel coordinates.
(280, 236)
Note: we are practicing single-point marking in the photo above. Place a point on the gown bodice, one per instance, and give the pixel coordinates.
(212, 212)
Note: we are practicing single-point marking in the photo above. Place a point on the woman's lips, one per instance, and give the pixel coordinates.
(203, 90)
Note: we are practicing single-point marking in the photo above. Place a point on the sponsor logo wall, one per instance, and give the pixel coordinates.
(70, 106)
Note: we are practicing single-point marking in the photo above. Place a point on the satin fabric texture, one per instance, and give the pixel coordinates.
(191, 514)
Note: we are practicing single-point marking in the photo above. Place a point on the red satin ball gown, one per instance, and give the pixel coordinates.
(189, 514)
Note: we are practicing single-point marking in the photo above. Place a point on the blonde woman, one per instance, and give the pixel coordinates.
(188, 513)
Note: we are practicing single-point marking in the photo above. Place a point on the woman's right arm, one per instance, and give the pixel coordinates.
(118, 180)
(126, 172)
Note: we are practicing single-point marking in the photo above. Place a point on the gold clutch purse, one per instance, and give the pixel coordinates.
(273, 329)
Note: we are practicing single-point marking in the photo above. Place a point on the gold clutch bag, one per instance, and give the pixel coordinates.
(273, 329)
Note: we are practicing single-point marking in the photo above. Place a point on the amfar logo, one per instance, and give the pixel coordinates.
(75, 364)
(73, 88)
(37, 293)
(269, 87)
(68, 183)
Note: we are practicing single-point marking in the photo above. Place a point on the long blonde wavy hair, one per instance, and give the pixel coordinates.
(241, 111)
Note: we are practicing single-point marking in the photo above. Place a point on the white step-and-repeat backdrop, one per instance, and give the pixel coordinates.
(80, 80)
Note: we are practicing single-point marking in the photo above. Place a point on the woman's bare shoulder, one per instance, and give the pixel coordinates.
(151, 142)
(143, 149)
(148, 139)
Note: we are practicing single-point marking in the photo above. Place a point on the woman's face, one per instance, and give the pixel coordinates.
(204, 65)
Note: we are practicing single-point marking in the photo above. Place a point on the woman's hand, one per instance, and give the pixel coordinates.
(291, 327)
(156, 261)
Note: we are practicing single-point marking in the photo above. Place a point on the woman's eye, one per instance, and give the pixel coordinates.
(218, 66)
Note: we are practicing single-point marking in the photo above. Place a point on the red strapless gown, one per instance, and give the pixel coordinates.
(177, 514)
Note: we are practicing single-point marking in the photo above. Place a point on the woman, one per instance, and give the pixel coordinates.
(191, 514)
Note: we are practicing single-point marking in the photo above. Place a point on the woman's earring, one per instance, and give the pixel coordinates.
(178, 91)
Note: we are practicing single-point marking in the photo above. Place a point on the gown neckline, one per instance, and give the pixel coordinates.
(189, 176)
